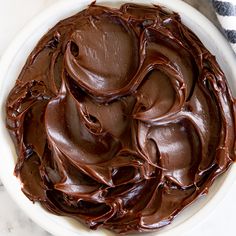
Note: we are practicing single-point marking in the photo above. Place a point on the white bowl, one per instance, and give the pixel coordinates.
(10, 67)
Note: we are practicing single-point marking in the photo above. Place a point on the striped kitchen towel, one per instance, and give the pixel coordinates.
(226, 13)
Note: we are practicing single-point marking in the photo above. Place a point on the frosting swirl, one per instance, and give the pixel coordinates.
(120, 118)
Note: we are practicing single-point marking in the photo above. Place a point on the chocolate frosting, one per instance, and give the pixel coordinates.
(121, 118)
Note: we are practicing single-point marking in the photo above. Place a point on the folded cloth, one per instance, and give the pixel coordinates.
(226, 13)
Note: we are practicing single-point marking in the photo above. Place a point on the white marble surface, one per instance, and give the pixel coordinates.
(14, 14)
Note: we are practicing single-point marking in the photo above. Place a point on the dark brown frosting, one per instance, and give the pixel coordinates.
(121, 118)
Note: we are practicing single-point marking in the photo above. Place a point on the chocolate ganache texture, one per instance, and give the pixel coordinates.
(120, 118)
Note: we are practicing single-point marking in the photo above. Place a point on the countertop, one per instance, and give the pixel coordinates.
(14, 14)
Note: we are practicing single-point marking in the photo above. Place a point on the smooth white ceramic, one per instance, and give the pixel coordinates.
(10, 66)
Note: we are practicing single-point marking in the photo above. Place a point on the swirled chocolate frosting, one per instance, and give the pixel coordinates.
(120, 118)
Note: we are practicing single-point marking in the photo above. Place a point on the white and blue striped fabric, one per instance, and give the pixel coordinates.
(226, 13)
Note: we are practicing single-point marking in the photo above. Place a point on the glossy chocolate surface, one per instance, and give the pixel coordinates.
(120, 118)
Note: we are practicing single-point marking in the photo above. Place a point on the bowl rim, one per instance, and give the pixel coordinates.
(5, 62)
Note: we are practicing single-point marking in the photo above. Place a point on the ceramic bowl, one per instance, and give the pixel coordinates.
(10, 67)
